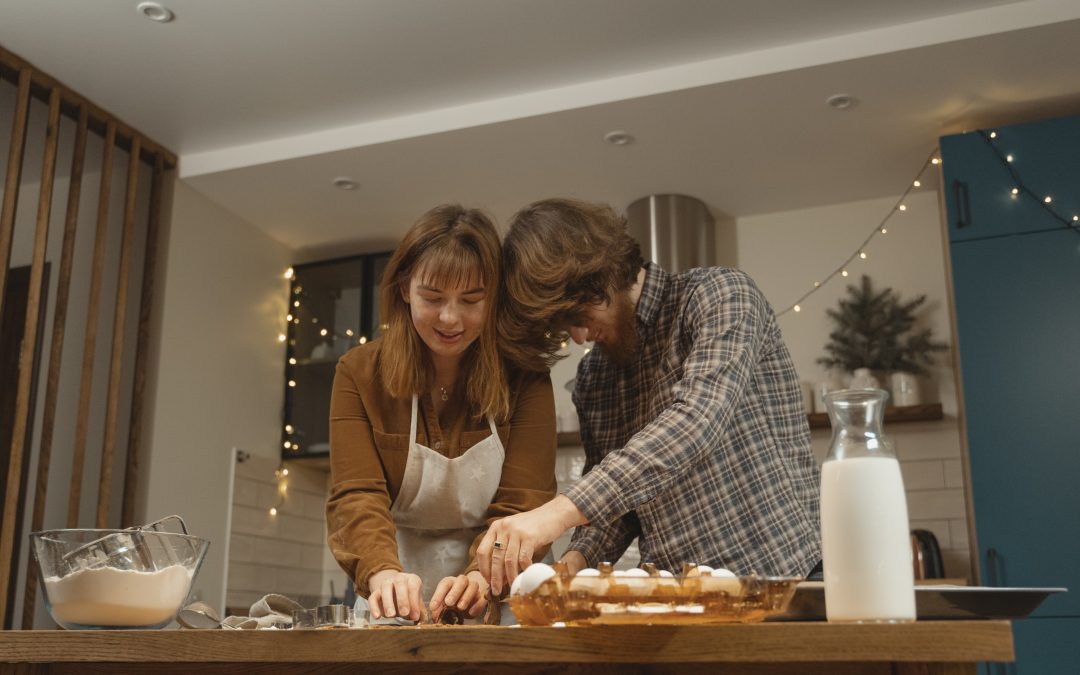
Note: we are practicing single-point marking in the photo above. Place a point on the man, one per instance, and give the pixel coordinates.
(691, 413)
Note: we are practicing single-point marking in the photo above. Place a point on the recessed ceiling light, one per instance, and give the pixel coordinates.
(618, 138)
(155, 11)
(345, 183)
(842, 101)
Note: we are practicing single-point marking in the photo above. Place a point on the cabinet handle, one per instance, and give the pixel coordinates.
(963, 207)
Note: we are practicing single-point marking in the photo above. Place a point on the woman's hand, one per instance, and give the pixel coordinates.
(519, 536)
(395, 593)
(467, 592)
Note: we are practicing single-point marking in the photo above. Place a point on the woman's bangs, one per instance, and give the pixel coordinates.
(452, 267)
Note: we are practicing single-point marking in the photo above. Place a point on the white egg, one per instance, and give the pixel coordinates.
(635, 572)
(723, 573)
(589, 572)
(667, 575)
(619, 573)
(529, 580)
(704, 569)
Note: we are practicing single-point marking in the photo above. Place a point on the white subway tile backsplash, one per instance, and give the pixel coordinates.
(303, 530)
(251, 577)
(299, 582)
(242, 547)
(315, 505)
(957, 563)
(936, 504)
(959, 532)
(250, 520)
(954, 473)
(244, 491)
(311, 557)
(277, 553)
(923, 475)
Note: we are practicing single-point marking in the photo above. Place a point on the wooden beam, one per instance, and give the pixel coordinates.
(56, 353)
(142, 345)
(7, 232)
(12, 177)
(90, 343)
(72, 102)
(112, 403)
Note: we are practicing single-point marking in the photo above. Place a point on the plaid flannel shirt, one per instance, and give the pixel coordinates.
(701, 449)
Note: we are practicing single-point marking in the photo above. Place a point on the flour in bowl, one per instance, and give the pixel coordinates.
(106, 596)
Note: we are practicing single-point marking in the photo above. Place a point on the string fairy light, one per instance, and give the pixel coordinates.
(1021, 188)
(282, 475)
(860, 252)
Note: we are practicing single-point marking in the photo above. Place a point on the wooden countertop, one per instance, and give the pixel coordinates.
(810, 647)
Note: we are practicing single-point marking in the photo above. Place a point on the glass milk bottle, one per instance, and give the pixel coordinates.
(866, 544)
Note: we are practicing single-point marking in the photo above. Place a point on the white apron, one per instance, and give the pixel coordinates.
(442, 505)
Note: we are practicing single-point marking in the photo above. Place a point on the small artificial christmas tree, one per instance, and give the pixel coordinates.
(873, 330)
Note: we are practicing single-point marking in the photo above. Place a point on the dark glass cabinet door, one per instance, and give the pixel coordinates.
(333, 307)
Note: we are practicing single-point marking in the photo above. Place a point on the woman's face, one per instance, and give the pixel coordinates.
(448, 319)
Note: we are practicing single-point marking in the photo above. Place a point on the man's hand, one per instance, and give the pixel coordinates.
(395, 593)
(574, 561)
(467, 592)
(519, 536)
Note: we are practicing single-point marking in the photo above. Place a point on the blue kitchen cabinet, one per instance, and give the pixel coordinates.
(1016, 282)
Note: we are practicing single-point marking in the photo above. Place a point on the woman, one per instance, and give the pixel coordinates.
(431, 437)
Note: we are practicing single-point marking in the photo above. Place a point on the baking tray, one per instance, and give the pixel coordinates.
(936, 602)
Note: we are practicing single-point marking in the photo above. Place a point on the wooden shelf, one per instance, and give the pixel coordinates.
(893, 415)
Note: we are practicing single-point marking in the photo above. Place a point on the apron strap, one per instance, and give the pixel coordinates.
(412, 423)
(491, 423)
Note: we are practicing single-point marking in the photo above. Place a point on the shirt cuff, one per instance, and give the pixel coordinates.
(598, 497)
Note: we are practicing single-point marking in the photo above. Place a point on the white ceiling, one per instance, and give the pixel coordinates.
(496, 103)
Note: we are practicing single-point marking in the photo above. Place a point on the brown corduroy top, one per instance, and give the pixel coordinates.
(369, 446)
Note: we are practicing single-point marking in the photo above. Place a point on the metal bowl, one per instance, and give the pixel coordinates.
(116, 579)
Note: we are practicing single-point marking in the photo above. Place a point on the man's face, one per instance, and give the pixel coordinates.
(610, 325)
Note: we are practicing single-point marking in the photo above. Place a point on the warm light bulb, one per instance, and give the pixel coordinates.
(314, 319)
(295, 446)
(797, 308)
(862, 254)
(296, 303)
(843, 273)
(281, 337)
(323, 332)
(1076, 218)
(884, 230)
(289, 273)
(1015, 191)
(288, 317)
(284, 472)
(362, 340)
(292, 383)
(903, 207)
(288, 428)
(1008, 158)
(296, 320)
(348, 331)
(287, 444)
(917, 183)
(817, 284)
(1047, 199)
(273, 510)
(935, 161)
(292, 360)
(993, 134)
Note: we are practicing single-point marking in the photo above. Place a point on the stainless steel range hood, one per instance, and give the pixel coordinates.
(675, 231)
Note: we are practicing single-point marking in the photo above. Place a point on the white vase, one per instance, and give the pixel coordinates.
(863, 378)
(905, 389)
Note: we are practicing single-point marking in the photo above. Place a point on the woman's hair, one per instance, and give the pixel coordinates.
(450, 246)
(560, 255)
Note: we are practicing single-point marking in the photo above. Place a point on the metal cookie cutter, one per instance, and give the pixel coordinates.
(125, 549)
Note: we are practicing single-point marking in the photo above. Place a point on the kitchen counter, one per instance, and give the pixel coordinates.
(924, 647)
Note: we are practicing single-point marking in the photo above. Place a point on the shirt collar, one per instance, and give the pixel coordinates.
(653, 290)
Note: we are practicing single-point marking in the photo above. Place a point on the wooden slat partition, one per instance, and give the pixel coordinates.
(7, 233)
(56, 352)
(82, 420)
(142, 343)
(120, 314)
(14, 174)
(91, 118)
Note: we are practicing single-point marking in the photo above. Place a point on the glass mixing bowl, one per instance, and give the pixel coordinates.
(116, 579)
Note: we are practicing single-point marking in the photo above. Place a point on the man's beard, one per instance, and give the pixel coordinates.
(624, 347)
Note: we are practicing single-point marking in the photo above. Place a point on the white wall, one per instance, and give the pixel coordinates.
(218, 372)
